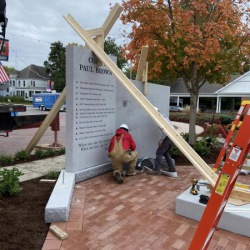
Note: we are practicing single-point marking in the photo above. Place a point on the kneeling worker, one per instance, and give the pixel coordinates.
(122, 150)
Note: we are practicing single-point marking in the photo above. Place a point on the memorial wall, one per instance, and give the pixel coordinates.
(91, 102)
(97, 103)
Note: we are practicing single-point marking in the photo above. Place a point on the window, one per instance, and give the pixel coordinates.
(24, 83)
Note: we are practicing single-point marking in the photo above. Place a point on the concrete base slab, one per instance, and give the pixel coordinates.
(235, 219)
(88, 173)
(58, 206)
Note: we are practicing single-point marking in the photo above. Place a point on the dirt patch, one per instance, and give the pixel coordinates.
(209, 159)
(22, 217)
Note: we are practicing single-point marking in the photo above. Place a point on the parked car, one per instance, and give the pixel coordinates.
(175, 109)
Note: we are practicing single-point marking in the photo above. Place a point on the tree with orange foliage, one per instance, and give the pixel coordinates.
(199, 41)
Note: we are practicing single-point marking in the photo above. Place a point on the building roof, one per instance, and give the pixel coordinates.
(179, 87)
(33, 72)
(241, 85)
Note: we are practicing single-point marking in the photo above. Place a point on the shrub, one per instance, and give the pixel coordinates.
(174, 151)
(202, 148)
(61, 151)
(53, 174)
(214, 129)
(226, 119)
(9, 181)
(185, 136)
(39, 153)
(51, 152)
(21, 155)
(6, 160)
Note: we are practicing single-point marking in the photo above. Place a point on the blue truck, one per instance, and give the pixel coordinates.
(45, 101)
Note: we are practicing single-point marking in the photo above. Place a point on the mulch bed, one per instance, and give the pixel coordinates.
(22, 217)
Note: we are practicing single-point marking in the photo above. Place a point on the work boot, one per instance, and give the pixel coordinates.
(118, 177)
(131, 173)
(154, 172)
(169, 169)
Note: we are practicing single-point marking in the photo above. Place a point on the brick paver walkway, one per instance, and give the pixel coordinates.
(139, 214)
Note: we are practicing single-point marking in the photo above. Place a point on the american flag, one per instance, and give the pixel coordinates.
(3, 76)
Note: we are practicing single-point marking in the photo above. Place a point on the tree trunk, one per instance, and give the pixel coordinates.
(192, 118)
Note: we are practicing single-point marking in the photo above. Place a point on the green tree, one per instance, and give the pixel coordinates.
(56, 65)
(199, 41)
(111, 48)
(8, 70)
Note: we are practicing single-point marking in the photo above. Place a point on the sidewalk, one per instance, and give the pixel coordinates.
(39, 168)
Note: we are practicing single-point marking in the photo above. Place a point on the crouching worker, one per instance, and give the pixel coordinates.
(122, 150)
(164, 146)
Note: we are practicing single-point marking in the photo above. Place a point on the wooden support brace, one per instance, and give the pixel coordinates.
(111, 19)
(187, 150)
(101, 33)
(47, 121)
(142, 63)
(142, 71)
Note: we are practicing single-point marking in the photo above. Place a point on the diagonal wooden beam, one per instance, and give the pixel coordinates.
(47, 121)
(186, 149)
(111, 19)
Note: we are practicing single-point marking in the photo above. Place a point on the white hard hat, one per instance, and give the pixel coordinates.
(157, 109)
(124, 126)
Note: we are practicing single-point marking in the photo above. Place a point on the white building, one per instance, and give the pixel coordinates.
(31, 80)
(216, 97)
(4, 89)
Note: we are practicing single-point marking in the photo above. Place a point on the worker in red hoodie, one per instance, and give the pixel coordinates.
(122, 150)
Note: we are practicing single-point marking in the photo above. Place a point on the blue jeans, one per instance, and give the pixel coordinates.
(163, 150)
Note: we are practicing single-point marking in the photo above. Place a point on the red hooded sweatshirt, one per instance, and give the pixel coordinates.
(127, 143)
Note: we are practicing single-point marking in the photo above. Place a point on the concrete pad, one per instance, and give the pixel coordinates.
(88, 173)
(58, 206)
(235, 219)
(182, 127)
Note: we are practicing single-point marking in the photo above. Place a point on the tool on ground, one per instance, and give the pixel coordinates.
(148, 164)
(204, 199)
(195, 187)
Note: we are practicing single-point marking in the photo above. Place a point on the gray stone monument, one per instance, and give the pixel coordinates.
(91, 113)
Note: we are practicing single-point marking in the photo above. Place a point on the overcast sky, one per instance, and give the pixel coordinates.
(34, 25)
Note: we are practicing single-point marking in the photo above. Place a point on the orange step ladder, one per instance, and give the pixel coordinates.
(226, 180)
(230, 135)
